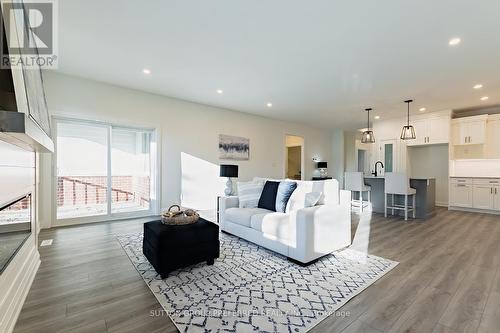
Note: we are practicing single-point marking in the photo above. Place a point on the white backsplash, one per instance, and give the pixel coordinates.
(475, 168)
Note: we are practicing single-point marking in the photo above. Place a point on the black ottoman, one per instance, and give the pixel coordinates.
(170, 247)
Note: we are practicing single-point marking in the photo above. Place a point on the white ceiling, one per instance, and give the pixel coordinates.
(320, 62)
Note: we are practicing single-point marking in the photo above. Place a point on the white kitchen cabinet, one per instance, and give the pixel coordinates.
(457, 137)
(477, 132)
(496, 198)
(482, 196)
(477, 193)
(486, 193)
(469, 130)
(431, 130)
(439, 130)
(421, 132)
(493, 137)
(461, 195)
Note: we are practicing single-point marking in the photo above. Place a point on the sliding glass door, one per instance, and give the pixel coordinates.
(104, 171)
(82, 170)
(130, 170)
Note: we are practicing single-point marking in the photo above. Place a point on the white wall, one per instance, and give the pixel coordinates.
(431, 162)
(336, 167)
(475, 168)
(185, 127)
(350, 151)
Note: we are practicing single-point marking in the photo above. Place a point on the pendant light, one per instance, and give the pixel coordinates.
(408, 132)
(367, 136)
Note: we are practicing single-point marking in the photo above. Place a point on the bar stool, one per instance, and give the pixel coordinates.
(398, 184)
(355, 182)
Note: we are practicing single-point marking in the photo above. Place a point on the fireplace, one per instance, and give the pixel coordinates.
(15, 227)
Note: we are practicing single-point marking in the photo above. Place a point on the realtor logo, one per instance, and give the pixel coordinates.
(29, 33)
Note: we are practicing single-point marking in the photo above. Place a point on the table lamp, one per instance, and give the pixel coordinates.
(229, 171)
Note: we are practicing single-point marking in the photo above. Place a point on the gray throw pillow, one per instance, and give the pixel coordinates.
(285, 190)
(312, 198)
(249, 194)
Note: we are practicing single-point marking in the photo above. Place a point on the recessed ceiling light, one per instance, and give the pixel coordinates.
(454, 41)
(146, 71)
(422, 109)
(478, 86)
(484, 98)
(220, 92)
(377, 117)
(269, 105)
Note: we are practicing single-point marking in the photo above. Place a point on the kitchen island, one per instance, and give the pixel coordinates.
(425, 200)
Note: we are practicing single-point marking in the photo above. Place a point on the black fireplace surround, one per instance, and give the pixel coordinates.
(15, 228)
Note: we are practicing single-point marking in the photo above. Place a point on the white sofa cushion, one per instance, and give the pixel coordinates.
(249, 193)
(329, 189)
(298, 198)
(242, 216)
(273, 223)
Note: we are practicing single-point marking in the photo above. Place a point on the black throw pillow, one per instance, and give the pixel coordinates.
(268, 197)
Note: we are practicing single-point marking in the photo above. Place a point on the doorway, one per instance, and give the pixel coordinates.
(294, 153)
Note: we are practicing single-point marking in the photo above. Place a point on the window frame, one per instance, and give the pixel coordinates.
(109, 216)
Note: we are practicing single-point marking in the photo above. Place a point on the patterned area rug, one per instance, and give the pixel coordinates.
(251, 289)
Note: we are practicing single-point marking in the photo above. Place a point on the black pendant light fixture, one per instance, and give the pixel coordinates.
(367, 136)
(408, 132)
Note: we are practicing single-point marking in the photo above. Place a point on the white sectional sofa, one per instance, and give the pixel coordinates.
(302, 234)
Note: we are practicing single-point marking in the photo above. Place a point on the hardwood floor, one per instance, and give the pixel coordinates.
(448, 280)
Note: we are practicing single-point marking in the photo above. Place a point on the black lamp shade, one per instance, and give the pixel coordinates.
(322, 165)
(229, 170)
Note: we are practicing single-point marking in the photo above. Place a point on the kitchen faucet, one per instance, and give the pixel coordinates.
(376, 163)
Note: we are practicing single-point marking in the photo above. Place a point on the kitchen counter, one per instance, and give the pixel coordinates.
(382, 177)
(425, 197)
(480, 177)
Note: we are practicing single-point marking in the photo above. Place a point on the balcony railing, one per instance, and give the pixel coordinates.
(88, 194)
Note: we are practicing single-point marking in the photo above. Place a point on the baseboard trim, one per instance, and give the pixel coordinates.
(75, 222)
(441, 204)
(474, 210)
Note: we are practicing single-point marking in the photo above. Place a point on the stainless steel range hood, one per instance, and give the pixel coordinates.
(19, 129)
